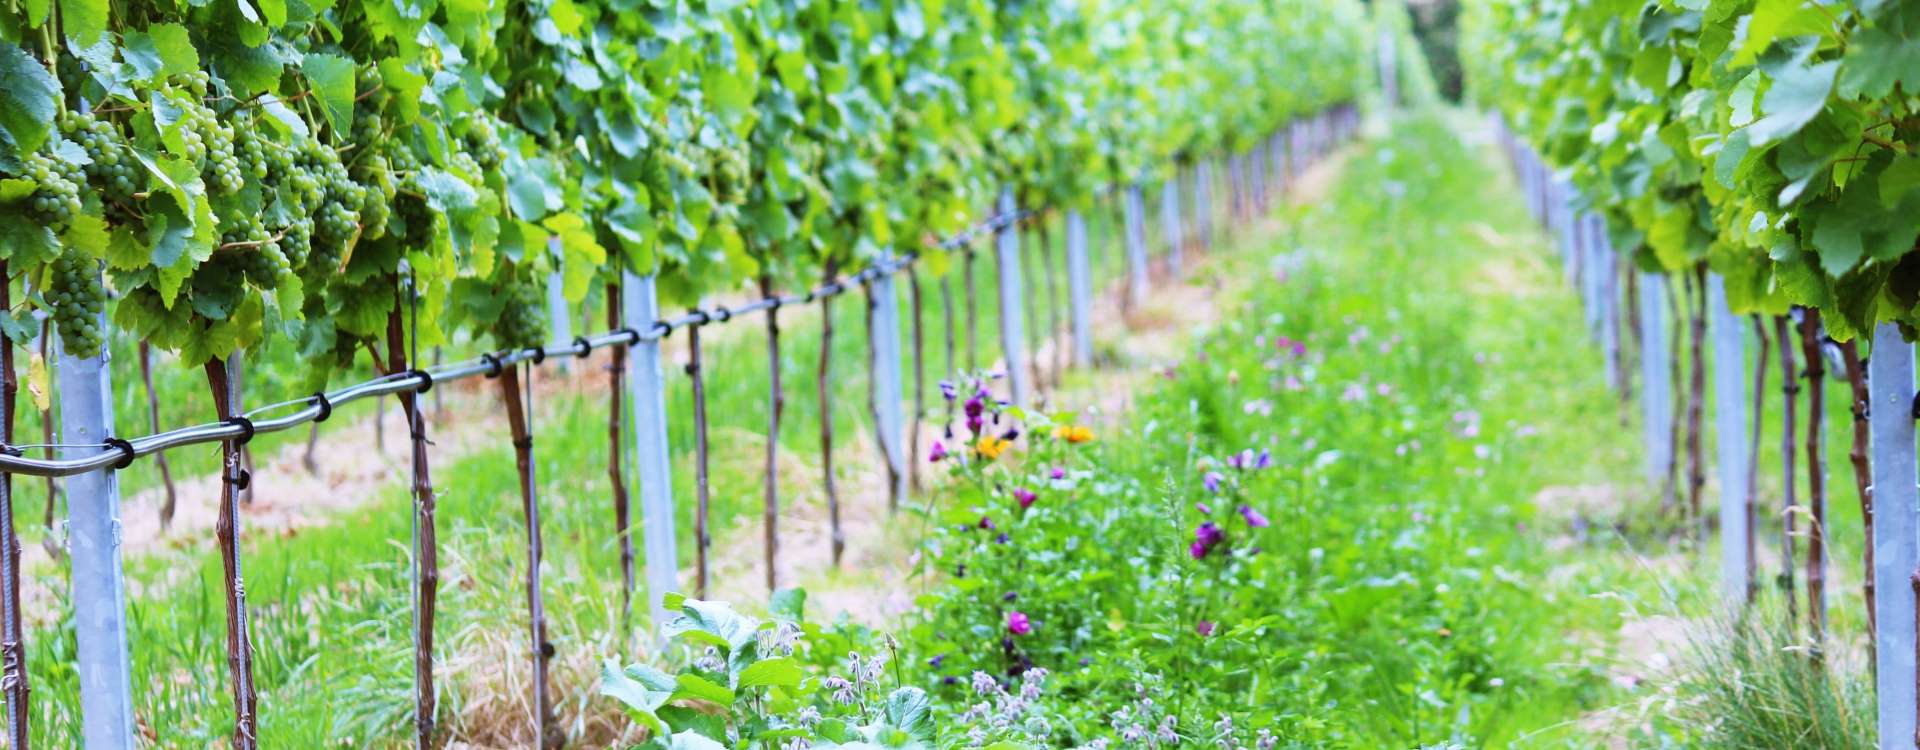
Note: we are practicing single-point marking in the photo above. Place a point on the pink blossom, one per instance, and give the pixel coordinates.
(1253, 517)
(937, 453)
(1018, 624)
(1204, 628)
(1025, 497)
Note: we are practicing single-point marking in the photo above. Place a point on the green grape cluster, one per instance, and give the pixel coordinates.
(110, 168)
(730, 174)
(254, 159)
(255, 252)
(376, 207)
(199, 131)
(483, 142)
(78, 298)
(521, 325)
(56, 194)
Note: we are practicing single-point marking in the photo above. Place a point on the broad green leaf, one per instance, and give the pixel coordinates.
(331, 77)
(777, 672)
(1794, 98)
(29, 97)
(84, 20)
(701, 688)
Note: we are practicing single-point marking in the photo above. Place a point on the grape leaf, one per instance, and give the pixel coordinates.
(1876, 60)
(331, 77)
(1797, 94)
(84, 20)
(29, 96)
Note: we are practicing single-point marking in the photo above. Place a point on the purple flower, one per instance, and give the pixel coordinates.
(1204, 508)
(1212, 482)
(938, 453)
(1197, 549)
(1237, 460)
(1204, 628)
(1209, 534)
(1264, 460)
(1299, 349)
(1058, 473)
(1002, 538)
(986, 522)
(975, 424)
(975, 406)
(1253, 517)
(1018, 624)
(1012, 434)
(935, 661)
(1025, 497)
(947, 390)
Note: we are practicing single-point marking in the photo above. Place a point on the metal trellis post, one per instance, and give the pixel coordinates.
(1656, 369)
(1079, 289)
(1136, 233)
(1890, 417)
(647, 400)
(1730, 400)
(99, 584)
(1013, 337)
(883, 330)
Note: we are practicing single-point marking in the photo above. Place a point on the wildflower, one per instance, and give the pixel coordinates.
(975, 406)
(986, 522)
(1265, 740)
(1002, 538)
(1253, 517)
(1299, 348)
(1166, 731)
(1212, 482)
(1209, 534)
(1224, 725)
(936, 661)
(1204, 508)
(984, 684)
(1198, 550)
(1100, 743)
(1025, 497)
(1133, 733)
(808, 717)
(1018, 624)
(709, 661)
(1012, 434)
(781, 638)
(976, 712)
(1057, 474)
(1204, 628)
(1264, 460)
(841, 688)
(990, 447)
(976, 737)
(1078, 433)
(975, 424)
(947, 390)
(938, 452)
(797, 743)
(1009, 596)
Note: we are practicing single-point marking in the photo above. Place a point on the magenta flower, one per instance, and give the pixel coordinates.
(1057, 473)
(1198, 550)
(975, 424)
(986, 522)
(1018, 624)
(1253, 517)
(938, 453)
(1299, 349)
(1204, 508)
(1212, 482)
(975, 406)
(1209, 534)
(1025, 496)
(1204, 628)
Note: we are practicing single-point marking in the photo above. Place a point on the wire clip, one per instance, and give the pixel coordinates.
(326, 407)
(126, 452)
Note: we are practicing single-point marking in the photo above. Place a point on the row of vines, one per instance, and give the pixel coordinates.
(375, 177)
(1760, 152)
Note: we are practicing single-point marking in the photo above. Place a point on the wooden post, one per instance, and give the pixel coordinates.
(1013, 338)
(13, 646)
(1730, 400)
(647, 402)
(1896, 505)
(1079, 289)
(246, 699)
(104, 661)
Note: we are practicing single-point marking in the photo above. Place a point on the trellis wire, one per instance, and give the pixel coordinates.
(114, 454)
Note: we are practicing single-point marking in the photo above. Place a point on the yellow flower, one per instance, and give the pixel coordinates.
(990, 447)
(1079, 434)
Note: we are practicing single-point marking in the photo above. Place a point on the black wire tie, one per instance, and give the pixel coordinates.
(724, 313)
(246, 430)
(126, 451)
(525, 443)
(661, 330)
(426, 381)
(493, 364)
(537, 353)
(242, 479)
(326, 407)
(582, 347)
